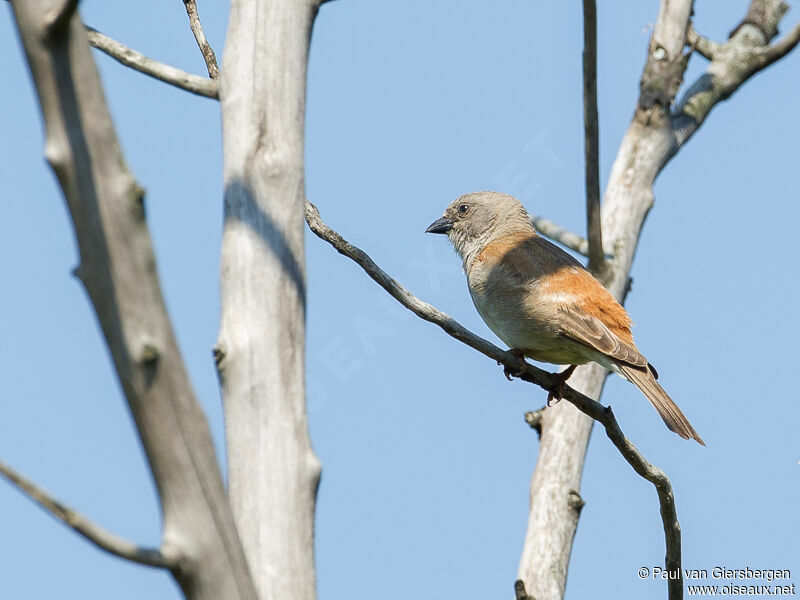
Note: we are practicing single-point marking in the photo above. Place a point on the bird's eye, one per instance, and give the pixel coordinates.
(463, 208)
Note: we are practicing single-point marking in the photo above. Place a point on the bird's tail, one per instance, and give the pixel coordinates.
(669, 411)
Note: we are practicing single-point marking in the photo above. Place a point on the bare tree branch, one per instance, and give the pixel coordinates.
(666, 61)
(118, 269)
(765, 15)
(704, 46)
(558, 234)
(733, 62)
(654, 135)
(195, 84)
(168, 558)
(261, 353)
(669, 516)
(531, 374)
(553, 519)
(430, 313)
(200, 37)
(782, 47)
(590, 133)
(419, 307)
(139, 62)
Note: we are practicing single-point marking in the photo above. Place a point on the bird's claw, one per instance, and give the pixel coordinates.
(555, 396)
(511, 372)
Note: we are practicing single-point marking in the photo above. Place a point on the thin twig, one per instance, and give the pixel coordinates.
(530, 374)
(200, 37)
(164, 558)
(590, 132)
(163, 72)
(558, 234)
(426, 311)
(566, 238)
(669, 516)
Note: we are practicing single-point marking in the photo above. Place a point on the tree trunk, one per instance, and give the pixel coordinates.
(117, 267)
(273, 472)
(645, 149)
(654, 136)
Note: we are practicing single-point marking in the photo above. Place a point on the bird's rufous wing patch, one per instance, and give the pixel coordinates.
(590, 331)
(589, 314)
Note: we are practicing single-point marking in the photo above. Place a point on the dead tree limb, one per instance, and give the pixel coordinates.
(200, 37)
(566, 238)
(733, 62)
(117, 268)
(591, 142)
(164, 557)
(260, 352)
(137, 61)
(655, 134)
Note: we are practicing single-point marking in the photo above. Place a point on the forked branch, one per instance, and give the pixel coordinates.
(167, 558)
(747, 52)
(202, 86)
(702, 45)
(118, 270)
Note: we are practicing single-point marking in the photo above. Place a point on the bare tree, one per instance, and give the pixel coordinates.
(273, 473)
(255, 540)
(656, 133)
(261, 350)
(200, 541)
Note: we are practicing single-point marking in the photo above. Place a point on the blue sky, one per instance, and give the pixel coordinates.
(426, 457)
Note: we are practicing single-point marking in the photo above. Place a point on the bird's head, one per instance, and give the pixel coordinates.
(473, 220)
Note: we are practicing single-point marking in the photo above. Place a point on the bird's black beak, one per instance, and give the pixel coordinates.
(441, 225)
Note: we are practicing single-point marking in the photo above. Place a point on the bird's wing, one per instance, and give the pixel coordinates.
(586, 312)
(583, 309)
(590, 331)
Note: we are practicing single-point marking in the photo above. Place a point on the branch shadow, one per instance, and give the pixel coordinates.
(241, 206)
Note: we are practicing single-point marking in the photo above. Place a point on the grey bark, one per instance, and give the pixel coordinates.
(591, 138)
(655, 134)
(117, 267)
(202, 86)
(273, 472)
(165, 556)
(565, 430)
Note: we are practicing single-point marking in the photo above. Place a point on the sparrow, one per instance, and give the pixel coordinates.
(542, 302)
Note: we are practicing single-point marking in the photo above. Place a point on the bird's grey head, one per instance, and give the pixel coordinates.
(472, 220)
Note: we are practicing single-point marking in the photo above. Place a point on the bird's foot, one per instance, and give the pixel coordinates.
(561, 385)
(509, 372)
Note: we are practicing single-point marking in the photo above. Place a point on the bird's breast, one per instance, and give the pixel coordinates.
(524, 317)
